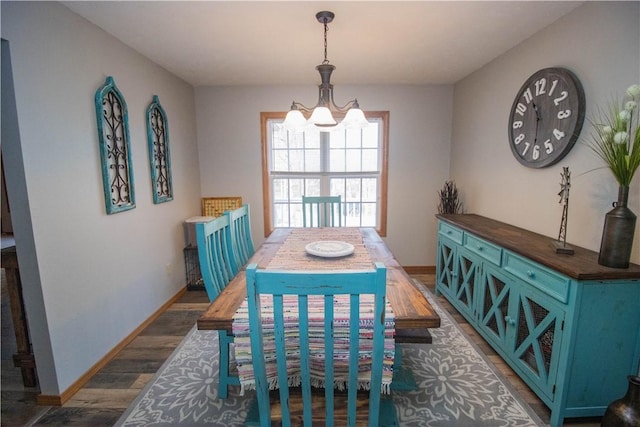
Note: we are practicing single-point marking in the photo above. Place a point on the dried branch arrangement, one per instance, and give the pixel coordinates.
(449, 201)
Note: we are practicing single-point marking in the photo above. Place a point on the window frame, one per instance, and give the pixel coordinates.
(383, 116)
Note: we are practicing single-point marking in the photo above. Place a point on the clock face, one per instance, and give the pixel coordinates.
(546, 117)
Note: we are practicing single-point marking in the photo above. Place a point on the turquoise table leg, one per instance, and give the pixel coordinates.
(402, 376)
(224, 379)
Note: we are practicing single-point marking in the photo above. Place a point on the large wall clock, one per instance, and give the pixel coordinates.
(546, 117)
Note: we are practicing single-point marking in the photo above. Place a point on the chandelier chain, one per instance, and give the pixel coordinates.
(326, 28)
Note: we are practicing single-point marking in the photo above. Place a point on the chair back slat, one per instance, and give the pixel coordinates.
(328, 358)
(241, 239)
(305, 363)
(354, 330)
(214, 250)
(322, 211)
(281, 355)
(304, 284)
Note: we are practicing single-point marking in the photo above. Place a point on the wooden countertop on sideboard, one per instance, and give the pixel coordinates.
(582, 265)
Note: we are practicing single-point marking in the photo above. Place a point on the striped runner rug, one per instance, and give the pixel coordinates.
(316, 342)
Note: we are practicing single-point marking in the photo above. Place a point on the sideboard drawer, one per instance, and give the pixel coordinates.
(547, 281)
(486, 250)
(450, 232)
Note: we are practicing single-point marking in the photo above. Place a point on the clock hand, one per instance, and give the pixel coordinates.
(535, 107)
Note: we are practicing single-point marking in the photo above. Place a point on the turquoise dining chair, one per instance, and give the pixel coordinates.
(215, 255)
(322, 211)
(304, 284)
(218, 267)
(241, 240)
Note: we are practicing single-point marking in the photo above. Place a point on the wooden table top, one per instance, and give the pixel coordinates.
(411, 309)
(582, 265)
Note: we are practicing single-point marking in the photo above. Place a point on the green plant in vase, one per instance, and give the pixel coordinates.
(616, 140)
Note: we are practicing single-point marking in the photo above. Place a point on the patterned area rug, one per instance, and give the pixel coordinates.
(455, 387)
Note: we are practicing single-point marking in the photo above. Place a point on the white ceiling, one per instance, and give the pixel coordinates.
(265, 42)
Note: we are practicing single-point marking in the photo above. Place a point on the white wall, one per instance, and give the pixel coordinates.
(600, 43)
(89, 278)
(420, 124)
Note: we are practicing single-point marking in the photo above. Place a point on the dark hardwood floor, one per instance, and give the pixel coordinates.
(106, 396)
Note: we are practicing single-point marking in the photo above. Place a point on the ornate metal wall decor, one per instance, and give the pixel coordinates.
(159, 158)
(115, 148)
(565, 185)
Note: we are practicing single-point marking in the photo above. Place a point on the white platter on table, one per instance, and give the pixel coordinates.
(329, 248)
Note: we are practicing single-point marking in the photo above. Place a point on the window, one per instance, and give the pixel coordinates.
(351, 163)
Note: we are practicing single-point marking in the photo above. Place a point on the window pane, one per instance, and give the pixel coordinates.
(353, 193)
(312, 160)
(296, 161)
(312, 188)
(280, 160)
(296, 215)
(370, 135)
(337, 186)
(354, 160)
(280, 190)
(279, 136)
(369, 217)
(337, 139)
(296, 188)
(296, 139)
(354, 138)
(337, 161)
(280, 215)
(369, 190)
(311, 138)
(370, 160)
(352, 213)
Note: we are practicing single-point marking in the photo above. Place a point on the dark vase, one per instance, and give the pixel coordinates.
(617, 235)
(625, 412)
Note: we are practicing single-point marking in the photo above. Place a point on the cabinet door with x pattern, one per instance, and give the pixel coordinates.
(493, 305)
(467, 276)
(537, 323)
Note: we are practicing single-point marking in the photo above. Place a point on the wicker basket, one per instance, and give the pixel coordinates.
(216, 206)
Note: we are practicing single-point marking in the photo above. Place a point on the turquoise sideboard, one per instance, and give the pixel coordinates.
(569, 327)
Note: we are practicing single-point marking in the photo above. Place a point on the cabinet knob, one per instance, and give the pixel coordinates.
(448, 231)
(531, 274)
(510, 320)
(480, 247)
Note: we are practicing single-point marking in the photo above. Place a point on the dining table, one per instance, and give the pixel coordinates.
(284, 249)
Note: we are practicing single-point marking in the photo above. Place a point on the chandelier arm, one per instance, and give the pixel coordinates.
(349, 105)
(332, 106)
(299, 106)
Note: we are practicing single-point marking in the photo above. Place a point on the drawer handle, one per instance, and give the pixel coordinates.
(448, 231)
(480, 247)
(510, 320)
(531, 274)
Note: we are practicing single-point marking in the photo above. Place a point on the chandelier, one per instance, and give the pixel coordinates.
(322, 114)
